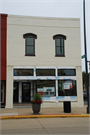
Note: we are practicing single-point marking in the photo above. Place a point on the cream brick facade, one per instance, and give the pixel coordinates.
(44, 28)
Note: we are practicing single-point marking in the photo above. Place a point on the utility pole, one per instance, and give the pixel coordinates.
(86, 66)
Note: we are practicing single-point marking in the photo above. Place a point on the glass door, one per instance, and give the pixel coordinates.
(26, 92)
(15, 92)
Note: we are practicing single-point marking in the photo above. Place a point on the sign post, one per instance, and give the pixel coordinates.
(88, 109)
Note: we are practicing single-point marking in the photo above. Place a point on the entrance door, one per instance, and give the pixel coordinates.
(15, 92)
(2, 92)
(26, 92)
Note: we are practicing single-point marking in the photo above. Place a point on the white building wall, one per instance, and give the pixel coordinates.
(31, 96)
(9, 87)
(44, 28)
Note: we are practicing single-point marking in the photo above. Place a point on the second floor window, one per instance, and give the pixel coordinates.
(59, 45)
(30, 44)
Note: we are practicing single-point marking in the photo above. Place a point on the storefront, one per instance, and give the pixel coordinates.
(54, 84)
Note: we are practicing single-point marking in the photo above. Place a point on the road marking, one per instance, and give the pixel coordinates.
(43, 116)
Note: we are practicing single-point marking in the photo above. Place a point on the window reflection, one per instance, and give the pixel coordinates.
(67, 88)
(66, 72)
(23, 72)
(46, 87)
(45, 72)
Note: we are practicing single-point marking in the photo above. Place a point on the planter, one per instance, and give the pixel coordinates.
(36, 108)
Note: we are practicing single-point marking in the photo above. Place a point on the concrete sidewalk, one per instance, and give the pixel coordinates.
(16, 113)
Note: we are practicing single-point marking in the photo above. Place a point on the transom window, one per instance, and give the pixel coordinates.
(23, 72)
(66, 72)
(30, 44)
(45, 72)
(59, 45)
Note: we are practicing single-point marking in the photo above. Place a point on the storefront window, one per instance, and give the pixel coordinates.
(66, 72)
(46, 87)
(23, 72)
(45, 72)
(67, 88)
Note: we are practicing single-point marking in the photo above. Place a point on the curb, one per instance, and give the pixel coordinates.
(43, 116)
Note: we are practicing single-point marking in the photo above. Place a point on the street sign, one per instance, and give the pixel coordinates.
(83, 56)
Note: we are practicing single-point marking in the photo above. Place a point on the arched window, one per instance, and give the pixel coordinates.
(59, 45)
(30, 44)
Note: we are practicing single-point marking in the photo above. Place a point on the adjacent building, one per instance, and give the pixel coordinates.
(3, 54)
(43, 55)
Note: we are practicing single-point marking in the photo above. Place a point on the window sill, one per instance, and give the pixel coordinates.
(29, 55)
(59, 55)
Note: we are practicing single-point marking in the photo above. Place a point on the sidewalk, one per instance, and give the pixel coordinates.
(17, 113)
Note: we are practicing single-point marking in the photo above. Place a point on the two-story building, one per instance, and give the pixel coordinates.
(44, 56)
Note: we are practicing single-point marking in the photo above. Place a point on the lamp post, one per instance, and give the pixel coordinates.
(87, 85)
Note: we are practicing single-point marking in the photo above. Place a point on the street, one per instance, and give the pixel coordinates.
(46, 126)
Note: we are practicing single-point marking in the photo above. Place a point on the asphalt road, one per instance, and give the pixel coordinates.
(46, 126)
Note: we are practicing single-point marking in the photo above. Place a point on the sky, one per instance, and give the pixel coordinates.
(53, 8)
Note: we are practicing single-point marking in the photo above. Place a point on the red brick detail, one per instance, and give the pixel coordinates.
(3, 45)
(3, 48)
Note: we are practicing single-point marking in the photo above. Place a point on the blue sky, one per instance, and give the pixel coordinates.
(52, 8)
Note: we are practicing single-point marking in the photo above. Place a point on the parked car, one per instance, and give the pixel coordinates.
(85, 95)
